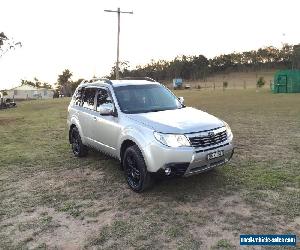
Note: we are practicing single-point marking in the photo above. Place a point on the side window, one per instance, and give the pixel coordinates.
(78, 96)
(88, 100)
(103, 98)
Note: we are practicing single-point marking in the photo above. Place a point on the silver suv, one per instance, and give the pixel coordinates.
(145, 126)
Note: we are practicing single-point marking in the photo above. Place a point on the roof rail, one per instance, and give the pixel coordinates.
(138, 78)
(97, 79)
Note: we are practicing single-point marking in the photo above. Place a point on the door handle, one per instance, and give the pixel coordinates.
(95, 118)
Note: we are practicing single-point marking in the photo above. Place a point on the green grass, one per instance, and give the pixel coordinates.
(223, 244)
(49, 198)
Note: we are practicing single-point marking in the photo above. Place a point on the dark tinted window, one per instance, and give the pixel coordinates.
(103, 97)
(89, 98)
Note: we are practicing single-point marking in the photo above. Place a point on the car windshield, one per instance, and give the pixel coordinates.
(135, 99)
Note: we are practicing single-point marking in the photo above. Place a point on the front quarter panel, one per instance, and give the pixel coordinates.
(140, 135)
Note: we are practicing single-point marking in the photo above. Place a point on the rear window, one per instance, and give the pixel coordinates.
(78, 96)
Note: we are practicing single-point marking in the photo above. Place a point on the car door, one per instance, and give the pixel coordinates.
(106, 128)
(87, 113)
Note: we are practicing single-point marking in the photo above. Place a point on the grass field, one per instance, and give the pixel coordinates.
(49, 199)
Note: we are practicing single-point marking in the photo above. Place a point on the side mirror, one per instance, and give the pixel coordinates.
(106, 109)
(181, 100)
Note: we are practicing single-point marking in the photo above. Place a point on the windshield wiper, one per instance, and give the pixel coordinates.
(157, 110)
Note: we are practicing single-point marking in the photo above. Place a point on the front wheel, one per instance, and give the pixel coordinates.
(78, 148)
(135, 170)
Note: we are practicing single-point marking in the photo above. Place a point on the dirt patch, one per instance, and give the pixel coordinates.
(7, 121)
(235, 204)
(55, 229)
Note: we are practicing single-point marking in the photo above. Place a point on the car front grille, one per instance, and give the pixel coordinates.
(209, 138)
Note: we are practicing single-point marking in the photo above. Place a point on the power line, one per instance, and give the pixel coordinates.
(118, 11)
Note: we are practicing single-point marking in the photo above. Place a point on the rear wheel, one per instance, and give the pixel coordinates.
(135, 170)
(78, 148)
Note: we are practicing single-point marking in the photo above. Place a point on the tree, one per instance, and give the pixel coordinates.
(123, 70)
(26, 82)
(3, 38)
(7, 44)
(36, 83)
(46, 85)
(64, 78)
(75, 84)
(199, 67)
(64, 83)
(260, 82)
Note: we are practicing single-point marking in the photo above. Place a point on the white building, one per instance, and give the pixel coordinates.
(29, 92)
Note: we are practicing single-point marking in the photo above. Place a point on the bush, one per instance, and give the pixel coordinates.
(260, 82)
(225, 85)
(56, 94)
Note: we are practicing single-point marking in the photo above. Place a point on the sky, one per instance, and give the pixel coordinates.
(78, 35)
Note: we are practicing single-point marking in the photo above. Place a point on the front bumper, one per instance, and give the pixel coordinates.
(185, 161)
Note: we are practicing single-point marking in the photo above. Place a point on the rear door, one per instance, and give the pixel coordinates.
(86, 116)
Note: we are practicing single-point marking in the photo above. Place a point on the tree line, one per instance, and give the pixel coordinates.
(199, 67)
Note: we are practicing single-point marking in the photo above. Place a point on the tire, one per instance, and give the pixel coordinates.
(135, 170)
(79, 150)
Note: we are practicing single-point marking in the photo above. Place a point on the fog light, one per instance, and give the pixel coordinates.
(167, 170)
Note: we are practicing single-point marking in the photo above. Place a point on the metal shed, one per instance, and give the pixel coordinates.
(286, 81)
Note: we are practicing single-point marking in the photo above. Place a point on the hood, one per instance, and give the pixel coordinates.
(178, 121)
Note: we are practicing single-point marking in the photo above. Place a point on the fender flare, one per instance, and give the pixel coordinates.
(75, 122)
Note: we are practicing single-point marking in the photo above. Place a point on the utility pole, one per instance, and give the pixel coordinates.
(118, 41)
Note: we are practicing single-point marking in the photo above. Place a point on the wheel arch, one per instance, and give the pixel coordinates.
(126, 144)
(75, 123)
(70, 131)
(133, 136)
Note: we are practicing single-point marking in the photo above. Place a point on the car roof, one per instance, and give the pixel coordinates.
(117, 83)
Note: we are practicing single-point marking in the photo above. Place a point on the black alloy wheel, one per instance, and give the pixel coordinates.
(132, 171)
(78, 148)
(135, 170)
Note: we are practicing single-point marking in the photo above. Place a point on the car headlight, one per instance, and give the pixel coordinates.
(172, 140)
(228, 130)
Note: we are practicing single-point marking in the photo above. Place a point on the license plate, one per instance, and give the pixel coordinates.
(214, 155)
